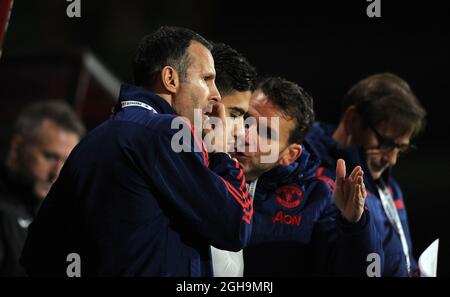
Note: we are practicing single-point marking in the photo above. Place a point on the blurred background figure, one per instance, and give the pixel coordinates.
(381, 115)
(43, 136)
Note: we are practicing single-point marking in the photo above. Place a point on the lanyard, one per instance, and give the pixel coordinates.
(252, 188)
(137, 103)
(391, 212)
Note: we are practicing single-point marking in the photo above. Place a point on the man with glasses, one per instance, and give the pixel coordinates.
(380, 117)
(302, 226)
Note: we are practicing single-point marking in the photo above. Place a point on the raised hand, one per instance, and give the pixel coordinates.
(349, 193)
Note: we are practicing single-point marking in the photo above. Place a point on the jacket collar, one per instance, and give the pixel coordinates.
(300, 170)
(130, 92)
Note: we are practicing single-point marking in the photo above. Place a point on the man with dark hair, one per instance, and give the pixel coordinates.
(302, 225)
(235, 80)
(380, 116)
(43, 135)
(128, 202)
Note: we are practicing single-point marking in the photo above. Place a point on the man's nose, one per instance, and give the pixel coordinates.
(246, 134)
(214, 93)
(391, 157)
(238, 128)
(251, 135)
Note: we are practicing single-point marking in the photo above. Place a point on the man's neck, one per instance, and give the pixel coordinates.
(157, 90)
(166, 97)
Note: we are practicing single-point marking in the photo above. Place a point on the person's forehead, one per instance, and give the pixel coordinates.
(201, 57)
(391, 131)
(261, 106)
(49, 133)
(237, 99)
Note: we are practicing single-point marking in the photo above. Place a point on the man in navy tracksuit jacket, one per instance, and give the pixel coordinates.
(380, 117)
(297, 229)
(127, 203)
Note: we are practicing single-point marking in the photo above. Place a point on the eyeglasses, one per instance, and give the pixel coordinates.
(387, 145)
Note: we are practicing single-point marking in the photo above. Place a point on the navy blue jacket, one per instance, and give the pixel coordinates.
(329, 151)
(131, 206)
(297, 229)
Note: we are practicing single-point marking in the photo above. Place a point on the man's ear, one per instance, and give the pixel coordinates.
(352, 123)
(290, 154)
(170, 79)
(16, 144)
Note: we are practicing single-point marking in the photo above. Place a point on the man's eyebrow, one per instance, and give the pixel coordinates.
(209, 75)
(239, 110)
(247, 114)
(51, 154)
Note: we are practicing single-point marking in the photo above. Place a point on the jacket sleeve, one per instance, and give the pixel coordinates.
(207, 191)
(344, 248)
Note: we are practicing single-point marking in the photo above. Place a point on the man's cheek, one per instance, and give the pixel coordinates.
(41, 170)
(373, 160)
(42, 188)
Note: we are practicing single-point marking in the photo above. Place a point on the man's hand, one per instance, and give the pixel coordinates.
(216, 137)
(349, 193)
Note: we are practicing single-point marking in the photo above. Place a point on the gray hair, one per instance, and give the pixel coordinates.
(30, 119)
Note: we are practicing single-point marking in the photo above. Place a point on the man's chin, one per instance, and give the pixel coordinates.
(376, 174)
(242, 159)
(41, 190)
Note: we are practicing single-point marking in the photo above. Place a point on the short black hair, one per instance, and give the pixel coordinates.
(233, 71)
(31, 118)
(165, 47)
(386, 97)
(295, 103)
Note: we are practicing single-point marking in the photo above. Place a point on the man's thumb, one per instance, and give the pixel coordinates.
(340, 172)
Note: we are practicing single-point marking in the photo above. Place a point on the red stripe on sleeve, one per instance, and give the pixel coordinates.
(241, 187)
(199, 144)
(238, 196)
(399, 204)
(320, 171)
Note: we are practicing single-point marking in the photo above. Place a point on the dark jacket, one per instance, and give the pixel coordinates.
(18, 207)
(130, 205)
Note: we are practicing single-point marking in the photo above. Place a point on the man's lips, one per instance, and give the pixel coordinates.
(379, 167)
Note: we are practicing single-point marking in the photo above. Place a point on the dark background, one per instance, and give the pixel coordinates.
(325, 47)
